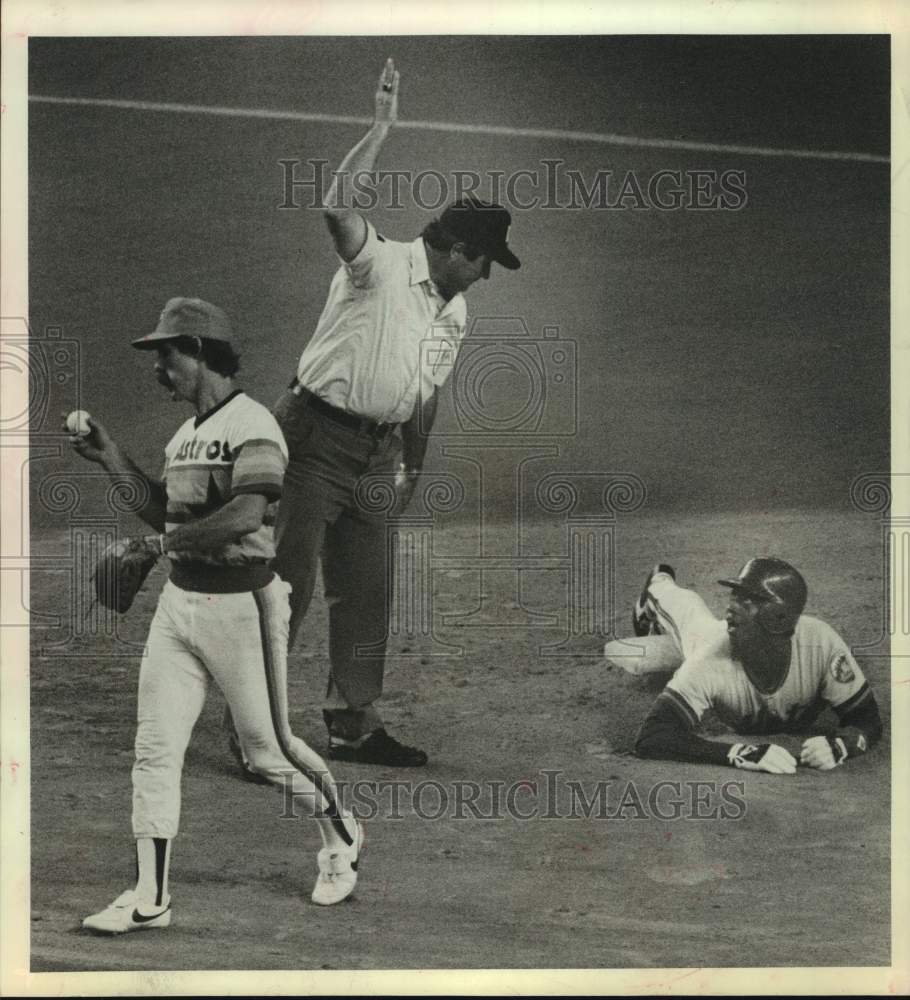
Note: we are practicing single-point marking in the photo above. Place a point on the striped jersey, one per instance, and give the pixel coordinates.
(237, 447)
(822, 673)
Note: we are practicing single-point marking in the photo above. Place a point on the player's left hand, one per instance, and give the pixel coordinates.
(122, 568)
(822, 752)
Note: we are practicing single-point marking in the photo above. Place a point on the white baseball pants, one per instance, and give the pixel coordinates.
(686, 622)
(240, 642)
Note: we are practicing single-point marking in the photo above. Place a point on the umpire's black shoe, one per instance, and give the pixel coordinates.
(644, 621)
(377, 748)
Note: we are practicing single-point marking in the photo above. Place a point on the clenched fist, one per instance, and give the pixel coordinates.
(823, 752)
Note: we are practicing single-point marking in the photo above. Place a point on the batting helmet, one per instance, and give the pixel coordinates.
(778, 586)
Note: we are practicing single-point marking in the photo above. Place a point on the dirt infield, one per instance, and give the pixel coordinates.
(770, 871)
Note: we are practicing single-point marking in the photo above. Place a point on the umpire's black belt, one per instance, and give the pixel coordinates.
(362, 425)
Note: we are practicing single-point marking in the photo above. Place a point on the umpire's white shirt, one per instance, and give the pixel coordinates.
(385, 333)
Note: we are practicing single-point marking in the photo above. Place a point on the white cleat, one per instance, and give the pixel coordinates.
(337, 871)
(126, 913)
(644, 618)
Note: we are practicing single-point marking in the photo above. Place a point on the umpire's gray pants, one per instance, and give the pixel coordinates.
(321, 517)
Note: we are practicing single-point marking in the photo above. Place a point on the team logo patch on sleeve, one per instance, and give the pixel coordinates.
(841, 669)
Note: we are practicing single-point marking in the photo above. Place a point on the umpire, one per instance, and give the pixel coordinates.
(362, 402)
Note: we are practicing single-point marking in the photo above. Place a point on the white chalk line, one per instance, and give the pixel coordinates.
(599, 138)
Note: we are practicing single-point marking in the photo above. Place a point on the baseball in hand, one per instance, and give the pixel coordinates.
(78, 423)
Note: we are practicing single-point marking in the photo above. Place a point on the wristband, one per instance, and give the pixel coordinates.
(839, 749)
(157, 540)
(740, 753)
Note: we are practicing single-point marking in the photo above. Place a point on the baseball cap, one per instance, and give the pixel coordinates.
(484, 225)
(183, 317)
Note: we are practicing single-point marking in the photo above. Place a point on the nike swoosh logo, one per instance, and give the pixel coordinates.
(139, 918)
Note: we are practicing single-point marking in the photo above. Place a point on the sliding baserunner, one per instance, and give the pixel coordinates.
(764, 668)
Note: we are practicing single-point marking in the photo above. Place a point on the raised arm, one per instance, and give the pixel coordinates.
(347, 226)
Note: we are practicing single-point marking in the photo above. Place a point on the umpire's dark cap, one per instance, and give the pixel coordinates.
(484, 226)
(183, 317)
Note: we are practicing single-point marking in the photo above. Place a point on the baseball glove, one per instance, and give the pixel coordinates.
(121, 570)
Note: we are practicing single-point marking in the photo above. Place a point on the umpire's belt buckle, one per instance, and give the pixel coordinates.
(362, 425)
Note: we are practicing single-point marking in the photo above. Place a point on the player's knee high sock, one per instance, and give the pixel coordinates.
(153, 862)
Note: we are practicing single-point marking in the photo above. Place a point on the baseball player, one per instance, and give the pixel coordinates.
(765, 668)
(222, 615)
(363, 397)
